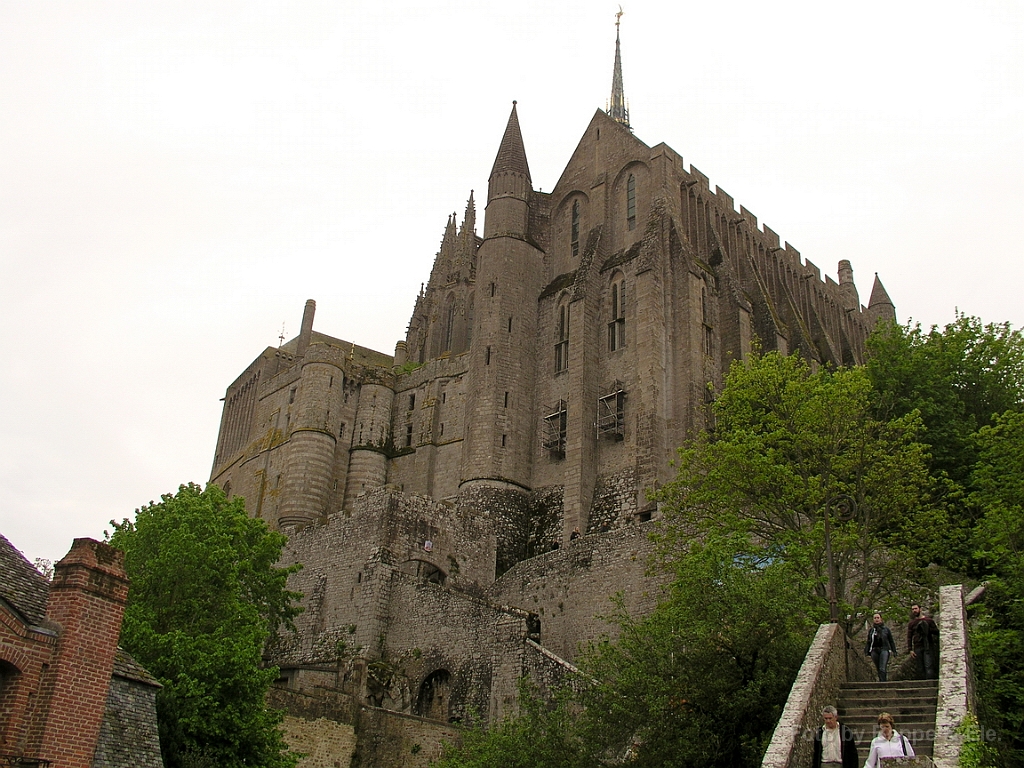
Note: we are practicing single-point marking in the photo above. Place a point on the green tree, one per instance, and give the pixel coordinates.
(702, 680)
(791, 444)
(205, 596)
(957, 379)
(997, 636)
(542, 734)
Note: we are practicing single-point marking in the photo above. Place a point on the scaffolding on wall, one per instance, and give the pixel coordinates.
(611, 420)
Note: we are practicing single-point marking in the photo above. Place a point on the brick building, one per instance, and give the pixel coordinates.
(69, 697)
(550, 369)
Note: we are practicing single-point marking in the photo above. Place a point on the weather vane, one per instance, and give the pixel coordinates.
(618, 16)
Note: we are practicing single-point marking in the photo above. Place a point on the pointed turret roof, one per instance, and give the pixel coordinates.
(617, 104)
(879, 296)
(511, 154)
(880, 305)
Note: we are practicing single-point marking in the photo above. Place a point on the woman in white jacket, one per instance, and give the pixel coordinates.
(888, 743)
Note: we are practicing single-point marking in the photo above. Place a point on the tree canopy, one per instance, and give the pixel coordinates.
(791, 444)
(205, 596)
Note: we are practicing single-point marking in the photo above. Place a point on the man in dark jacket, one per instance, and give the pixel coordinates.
(834, 745)
(923, 642)
(880, 646)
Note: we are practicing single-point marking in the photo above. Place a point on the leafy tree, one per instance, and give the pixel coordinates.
(957, 379)
(205, 596)
(791, 444)
(703, 679)
(998, 634)
(541, 734)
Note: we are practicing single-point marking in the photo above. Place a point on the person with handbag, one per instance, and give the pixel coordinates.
(888, 743)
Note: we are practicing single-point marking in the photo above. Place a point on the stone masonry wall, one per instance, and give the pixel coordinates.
(324, 743)
(571, 588)
(348, 561)
(433, 628)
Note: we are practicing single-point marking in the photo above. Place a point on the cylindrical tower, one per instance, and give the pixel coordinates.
(311, 444)
(371, 439)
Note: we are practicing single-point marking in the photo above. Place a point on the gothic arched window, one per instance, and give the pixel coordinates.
(575, 233)
(631, 201)
(562, 338)
(617, 305)
(449, 325)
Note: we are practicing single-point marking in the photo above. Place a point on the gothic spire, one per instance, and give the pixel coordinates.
(617, 105)
(511, 154)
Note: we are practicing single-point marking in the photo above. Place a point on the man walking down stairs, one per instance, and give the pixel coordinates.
(912, 704)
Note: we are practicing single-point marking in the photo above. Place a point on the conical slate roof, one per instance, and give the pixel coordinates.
(511, 154)
(879, 296)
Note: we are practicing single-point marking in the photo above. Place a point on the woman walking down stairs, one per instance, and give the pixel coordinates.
(912, 704)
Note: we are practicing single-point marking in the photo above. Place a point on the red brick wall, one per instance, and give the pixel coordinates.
(54, 706)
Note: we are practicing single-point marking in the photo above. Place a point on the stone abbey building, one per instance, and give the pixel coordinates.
(551, 367)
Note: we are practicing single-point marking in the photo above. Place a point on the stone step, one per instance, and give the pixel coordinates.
(887, 705)
(894, 685)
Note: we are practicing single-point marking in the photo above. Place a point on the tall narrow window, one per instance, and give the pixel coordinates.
(408, 435)
(575, 235)
(705, 312)
(562, 344)
(617, 325)
(631, 201)
(449, 325)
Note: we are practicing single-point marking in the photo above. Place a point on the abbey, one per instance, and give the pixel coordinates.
(551, 367)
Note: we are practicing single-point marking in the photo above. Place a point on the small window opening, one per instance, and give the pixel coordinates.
(291, 396)
(408, 435)
(487, 356)
(412, 402)
(503, 439)
(506, 399)
(494, 289)
(442, 427)
(510, 325)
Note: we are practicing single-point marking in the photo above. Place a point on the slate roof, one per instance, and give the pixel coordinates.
(127, 667)
(21, 585)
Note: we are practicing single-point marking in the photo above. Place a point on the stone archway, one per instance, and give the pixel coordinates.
(434, 699)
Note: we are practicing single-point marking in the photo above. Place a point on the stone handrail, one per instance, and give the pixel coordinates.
(956, 685)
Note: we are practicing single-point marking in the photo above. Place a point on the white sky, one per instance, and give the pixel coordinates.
(177, 178)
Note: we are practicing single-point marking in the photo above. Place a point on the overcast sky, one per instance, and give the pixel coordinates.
(177, 178)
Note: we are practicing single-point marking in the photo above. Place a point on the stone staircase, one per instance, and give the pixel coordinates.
(912, 704)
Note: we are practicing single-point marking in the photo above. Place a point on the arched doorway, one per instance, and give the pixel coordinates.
(434, 699)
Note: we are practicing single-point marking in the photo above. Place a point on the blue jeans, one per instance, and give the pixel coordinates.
(881, 658)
